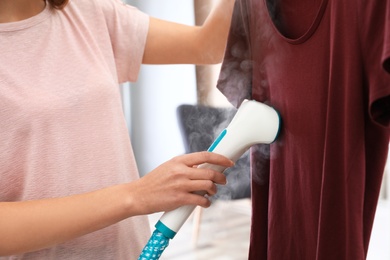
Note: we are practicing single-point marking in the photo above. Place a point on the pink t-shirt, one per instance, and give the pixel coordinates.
(62, 126)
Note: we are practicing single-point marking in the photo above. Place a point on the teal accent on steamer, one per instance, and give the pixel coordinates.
(218, 140)
(166, 231)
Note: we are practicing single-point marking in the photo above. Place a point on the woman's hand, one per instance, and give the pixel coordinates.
(172, 184)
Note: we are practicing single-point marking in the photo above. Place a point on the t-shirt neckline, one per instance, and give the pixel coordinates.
(309, 32)
(26, 23)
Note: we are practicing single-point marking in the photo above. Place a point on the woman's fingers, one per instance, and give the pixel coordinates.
(205, 157)
(199, 200)
(202, 187)
(207, 174)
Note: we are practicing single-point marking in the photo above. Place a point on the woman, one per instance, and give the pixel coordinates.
(69, 187)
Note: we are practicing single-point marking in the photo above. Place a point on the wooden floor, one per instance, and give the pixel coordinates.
(223, 234)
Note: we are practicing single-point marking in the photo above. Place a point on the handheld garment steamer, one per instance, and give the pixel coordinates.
(254, 123)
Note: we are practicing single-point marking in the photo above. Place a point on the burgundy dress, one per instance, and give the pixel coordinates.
(323, 65)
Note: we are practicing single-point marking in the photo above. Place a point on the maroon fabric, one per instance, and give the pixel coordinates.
(322, 65)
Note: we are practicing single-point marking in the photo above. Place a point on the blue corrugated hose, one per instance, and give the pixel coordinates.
(155, 247)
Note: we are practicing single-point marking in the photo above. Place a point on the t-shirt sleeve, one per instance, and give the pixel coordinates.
(235, 79)
(128, 28)
(375, 38)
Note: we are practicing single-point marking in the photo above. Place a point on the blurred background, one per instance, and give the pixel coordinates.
(222, 231)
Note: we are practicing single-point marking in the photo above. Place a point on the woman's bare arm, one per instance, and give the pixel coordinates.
(33, 225)
(173, 43)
